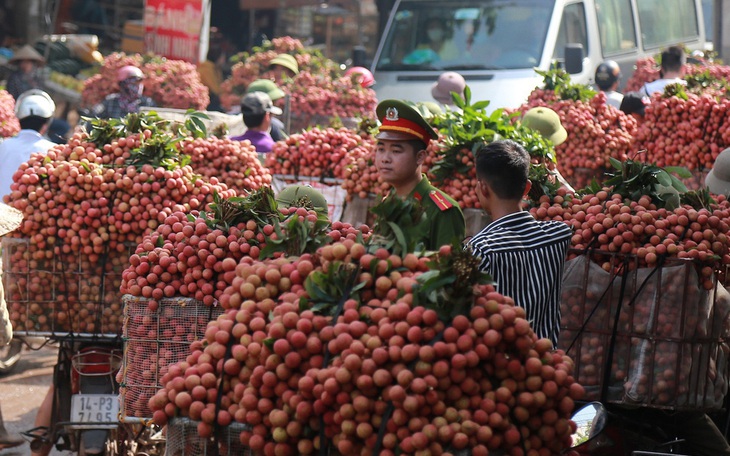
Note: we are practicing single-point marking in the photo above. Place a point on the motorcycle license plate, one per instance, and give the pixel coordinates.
(94, 411)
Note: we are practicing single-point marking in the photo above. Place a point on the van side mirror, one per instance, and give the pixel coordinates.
(574, 58)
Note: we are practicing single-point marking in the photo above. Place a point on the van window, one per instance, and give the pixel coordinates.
(707, 14)
(667, 22)
(616, 26)
(572, 29)
(466, 34)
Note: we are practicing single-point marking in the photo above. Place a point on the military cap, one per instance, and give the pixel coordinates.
(402, 122)
(303, 196)
(429, 109)
(268, 87)
(287, 61)
(547, 122)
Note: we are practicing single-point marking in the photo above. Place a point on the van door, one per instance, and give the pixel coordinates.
(573, 29)
(618, 30)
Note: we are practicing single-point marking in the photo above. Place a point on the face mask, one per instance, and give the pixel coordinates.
(435, 34)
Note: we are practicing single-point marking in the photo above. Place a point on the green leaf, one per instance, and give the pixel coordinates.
(479, 105)
(680, 171)
(438, 282)
(664, 178)
(678, 184)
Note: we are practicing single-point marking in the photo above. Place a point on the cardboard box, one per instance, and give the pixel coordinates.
(133, 37)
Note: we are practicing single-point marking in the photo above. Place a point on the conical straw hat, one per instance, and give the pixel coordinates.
(27, 53)
(10, 218)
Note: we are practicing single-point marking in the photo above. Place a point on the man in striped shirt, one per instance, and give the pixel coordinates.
(524, 257)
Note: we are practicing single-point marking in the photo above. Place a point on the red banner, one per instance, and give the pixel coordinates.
(173, 27)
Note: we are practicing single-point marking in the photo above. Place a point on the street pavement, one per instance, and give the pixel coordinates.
(23, 390)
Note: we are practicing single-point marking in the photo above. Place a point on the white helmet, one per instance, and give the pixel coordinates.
(34, 102)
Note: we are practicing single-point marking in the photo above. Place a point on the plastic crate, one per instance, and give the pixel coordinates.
(154, 339)
(669, 348)
(183, 440)
(60, 290)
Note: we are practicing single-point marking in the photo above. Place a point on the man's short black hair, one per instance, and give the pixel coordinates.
(673, 58)
(253, 120)
(505, 165)
(33, 123)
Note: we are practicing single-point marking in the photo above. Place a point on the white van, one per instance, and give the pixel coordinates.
(496, 44)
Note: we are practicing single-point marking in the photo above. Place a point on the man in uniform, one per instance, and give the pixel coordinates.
(399, 153)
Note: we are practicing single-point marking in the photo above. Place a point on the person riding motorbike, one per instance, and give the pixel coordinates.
(34, 110)
(129, 98)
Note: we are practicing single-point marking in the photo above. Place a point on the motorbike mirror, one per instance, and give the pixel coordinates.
(590, 421)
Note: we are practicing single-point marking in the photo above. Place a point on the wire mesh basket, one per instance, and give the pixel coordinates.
(156, 334)
(646, 336)
(183, 440)
(62, 290)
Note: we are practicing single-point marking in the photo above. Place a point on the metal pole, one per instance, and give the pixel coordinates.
(251, 25)
(49, 18)
(717, 20)
(287, 113)
(328, 37)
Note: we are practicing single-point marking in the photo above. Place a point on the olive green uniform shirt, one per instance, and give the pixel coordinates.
(443, 214)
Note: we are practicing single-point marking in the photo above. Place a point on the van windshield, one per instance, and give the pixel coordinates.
(466, 34)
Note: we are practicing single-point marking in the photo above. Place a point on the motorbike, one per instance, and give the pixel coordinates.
(85, 410)
(615, 431)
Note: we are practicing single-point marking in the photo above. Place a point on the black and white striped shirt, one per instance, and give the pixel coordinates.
(525, 258)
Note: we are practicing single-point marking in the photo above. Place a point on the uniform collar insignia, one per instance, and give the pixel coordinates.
(391, 114)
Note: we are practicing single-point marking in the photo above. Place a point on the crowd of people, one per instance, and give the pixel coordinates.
(525, 257)
(608, 78)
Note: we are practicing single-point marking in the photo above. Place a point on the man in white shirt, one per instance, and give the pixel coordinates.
(34, 110)
(673, 59)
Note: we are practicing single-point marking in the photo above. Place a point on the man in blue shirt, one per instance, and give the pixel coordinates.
(34, 109)
(257, 109)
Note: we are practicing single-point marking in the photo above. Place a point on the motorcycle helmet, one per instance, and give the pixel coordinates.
(129, 71)
(366, 78)
(607, 73)
(34, 102)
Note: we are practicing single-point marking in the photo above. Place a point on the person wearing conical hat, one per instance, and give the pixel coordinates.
(26, 76)
(10, 219)
(400, 151)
